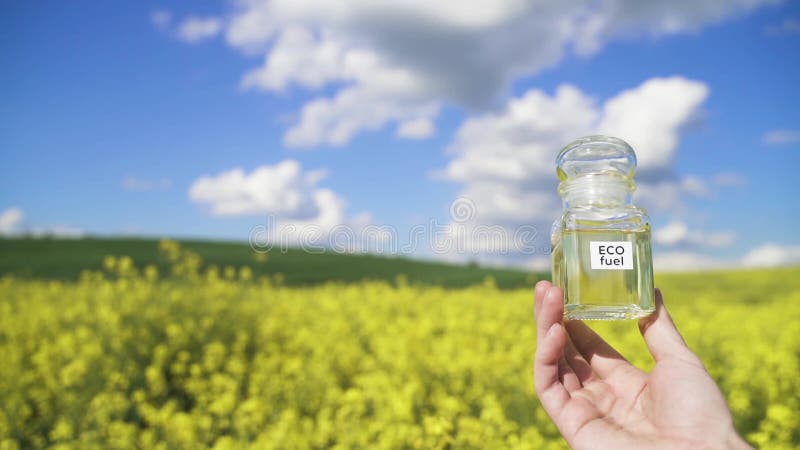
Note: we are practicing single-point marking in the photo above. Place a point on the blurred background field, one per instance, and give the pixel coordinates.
(187, 354)
(65, 259)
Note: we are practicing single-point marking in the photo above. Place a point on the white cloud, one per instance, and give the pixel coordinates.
(133, 184)
(298, 211)
(358, 108)
(671, 234)
(650, 117)
(771, 254)
(669, 193)
(765, 255)
(677, 233)
(506, 160)
(196, 29)
(282, 189)
(402, 60)
(685, 261)
(419, 128)
(161, 19)
(11, 220)
(379, 94)
(375, 94)
(781, 137)
(297, 57)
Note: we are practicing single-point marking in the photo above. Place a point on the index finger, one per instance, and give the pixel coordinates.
(549, 350)
(551, 309)
(538, 295)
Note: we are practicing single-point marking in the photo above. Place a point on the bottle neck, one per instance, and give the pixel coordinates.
(597, 190)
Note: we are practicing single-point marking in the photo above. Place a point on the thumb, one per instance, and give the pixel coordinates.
(661, 335)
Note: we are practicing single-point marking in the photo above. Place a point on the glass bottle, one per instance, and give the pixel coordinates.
(601, 243)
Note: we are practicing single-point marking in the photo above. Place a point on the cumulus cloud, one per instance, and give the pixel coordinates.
(283, 189)
(298, 211)
(505, 160)
(196, 29)
(781, 137)
(685, 261)
(376, 94)
(765, 255)
(419, 128)
(678, 233)
(298, 57)
(399, 61)
(671, 234)
(11, 220)
(650, 117)
(771, 254)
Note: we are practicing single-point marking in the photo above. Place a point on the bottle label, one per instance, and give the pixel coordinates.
(611, 255)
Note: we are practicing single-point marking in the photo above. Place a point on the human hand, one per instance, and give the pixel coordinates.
(597, 399)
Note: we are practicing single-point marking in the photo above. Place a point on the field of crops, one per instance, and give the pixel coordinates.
(65, 259)
(215, 357)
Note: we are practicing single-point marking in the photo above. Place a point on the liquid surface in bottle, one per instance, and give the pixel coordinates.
(605, 274)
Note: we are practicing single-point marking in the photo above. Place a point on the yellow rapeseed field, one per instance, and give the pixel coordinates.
(210, 357)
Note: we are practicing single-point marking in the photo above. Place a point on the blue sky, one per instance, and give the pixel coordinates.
(121, 118)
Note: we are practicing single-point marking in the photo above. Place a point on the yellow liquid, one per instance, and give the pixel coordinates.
(603, 294)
